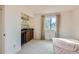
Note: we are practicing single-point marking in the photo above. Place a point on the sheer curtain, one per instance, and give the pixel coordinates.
(42, 28)
(57, 25)
(50, 27)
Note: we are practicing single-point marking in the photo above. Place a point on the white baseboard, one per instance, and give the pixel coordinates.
(18, 50)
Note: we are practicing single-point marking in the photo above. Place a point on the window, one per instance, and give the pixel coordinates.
(50, 23)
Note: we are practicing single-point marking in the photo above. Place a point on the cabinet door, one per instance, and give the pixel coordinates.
(31, 34)
(23, 37)
(28, 35)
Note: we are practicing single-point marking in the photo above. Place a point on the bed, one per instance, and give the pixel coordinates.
(65, 46)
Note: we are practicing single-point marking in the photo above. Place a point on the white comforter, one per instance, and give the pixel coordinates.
(62, 45)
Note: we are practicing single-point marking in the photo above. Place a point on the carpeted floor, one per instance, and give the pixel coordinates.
(37, 47)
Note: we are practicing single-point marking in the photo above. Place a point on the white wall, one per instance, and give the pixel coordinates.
(69, 24)
(0, 31)
(12, 29)
(36, 24)
(76, 23)
(66, 25)
(12, 15)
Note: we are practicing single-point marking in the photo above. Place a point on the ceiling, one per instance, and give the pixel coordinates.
(45, 9)
(48, 9)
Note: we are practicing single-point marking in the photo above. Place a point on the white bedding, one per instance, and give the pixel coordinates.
(58, 50)
(62, 45)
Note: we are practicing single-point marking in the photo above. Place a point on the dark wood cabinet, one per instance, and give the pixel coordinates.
(27, 35)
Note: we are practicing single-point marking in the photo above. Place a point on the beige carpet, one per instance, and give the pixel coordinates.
(37, 47)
